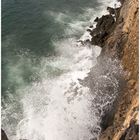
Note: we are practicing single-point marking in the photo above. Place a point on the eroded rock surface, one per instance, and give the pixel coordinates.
(123, 43)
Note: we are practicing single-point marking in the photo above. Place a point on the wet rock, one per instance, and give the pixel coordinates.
(103, 28)
(111, 10)
(3, 135)
(91, 26)
(108, 117)
(89, 30)
(131, 133)
(96, 19)
(121, 1)
(120, 20)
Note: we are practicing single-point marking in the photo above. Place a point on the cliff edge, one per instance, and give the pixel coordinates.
(123, 41)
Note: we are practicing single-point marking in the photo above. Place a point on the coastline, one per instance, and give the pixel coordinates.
(120, 40)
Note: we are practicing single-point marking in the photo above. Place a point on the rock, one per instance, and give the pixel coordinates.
(105, 22)
(108, 117)
(91, 26)
(111, 10)
(131, 83)
(131, 133)
(3, 135)
(124, 126)
(103, 28)
(99, 38)
(120, 20)
(96, 19)
(89, 30)
(121, 1)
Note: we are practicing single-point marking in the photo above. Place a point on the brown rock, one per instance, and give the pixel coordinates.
(131, 83)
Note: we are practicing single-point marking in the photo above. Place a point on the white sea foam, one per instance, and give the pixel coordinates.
(59, 108)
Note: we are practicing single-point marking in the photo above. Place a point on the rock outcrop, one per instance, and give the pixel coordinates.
(103, 29)
(119, 38)
(105, 26)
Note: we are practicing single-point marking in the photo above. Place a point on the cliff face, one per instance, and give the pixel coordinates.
(123, 42)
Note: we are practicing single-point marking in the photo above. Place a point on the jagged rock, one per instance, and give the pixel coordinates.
(96, 19)
(114, 11)
(103, 28)
(111, 10)
(99, 38)
(131, 133)
(3, 135)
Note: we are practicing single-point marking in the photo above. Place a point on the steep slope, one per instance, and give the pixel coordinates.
(123, 42)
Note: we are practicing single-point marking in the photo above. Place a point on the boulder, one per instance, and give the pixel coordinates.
(111, 10)
(103, 28)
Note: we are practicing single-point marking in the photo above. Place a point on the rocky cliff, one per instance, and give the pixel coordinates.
(119, 38)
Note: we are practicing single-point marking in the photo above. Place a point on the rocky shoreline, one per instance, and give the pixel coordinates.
(117, 34)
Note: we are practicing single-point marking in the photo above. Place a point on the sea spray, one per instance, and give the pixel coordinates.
(105, 81)
(60, 105)
(70, 109)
